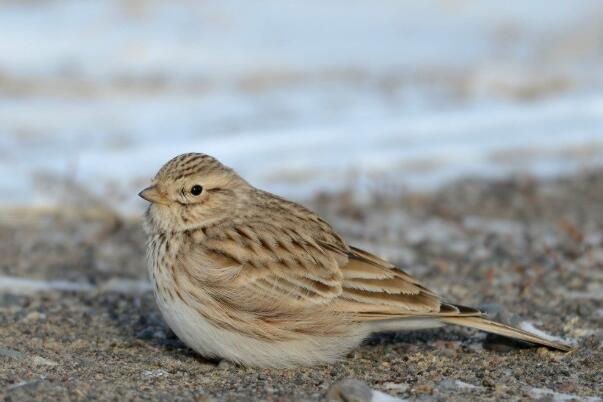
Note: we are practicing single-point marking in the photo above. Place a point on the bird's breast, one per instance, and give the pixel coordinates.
(162, 249)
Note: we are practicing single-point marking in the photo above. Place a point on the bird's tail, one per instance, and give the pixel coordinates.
(494, 327)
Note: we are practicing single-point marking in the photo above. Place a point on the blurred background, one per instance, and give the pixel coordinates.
(300, 97)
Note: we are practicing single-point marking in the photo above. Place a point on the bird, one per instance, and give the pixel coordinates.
(243, 275)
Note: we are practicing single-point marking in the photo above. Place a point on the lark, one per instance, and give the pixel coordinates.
(244, 275)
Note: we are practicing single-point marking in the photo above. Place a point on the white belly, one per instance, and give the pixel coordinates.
(213, 342)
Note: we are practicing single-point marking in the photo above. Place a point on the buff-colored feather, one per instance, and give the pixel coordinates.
(245, 275)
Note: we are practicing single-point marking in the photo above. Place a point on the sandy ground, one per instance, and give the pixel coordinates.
(77, 320)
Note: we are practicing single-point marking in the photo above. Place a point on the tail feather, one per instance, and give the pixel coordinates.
(494, 327)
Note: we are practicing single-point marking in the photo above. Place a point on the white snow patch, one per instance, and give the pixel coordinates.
(379, 396)
(27, 285)
(42, 361)
(560, 397)
(121, 285)
(154, 373)
(465, 385)
(18, 285)
(528, 326)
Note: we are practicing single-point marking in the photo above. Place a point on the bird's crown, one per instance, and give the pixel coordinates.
(190, 164)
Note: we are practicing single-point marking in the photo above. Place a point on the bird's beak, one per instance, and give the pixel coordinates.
(151, 194)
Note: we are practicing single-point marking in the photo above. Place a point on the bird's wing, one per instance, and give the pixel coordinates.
(259, 266)
(374, 289)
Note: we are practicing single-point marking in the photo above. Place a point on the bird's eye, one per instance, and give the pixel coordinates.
(196, 189)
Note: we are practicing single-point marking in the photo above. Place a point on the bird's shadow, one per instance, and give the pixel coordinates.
(434, 338)
(424, 336)
(139, 322)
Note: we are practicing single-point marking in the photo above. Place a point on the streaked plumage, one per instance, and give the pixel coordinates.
(245, 275)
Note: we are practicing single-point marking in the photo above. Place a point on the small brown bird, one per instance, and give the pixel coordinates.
(247, 276)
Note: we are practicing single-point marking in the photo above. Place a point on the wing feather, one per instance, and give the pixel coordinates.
(285, 266)
(280, 265)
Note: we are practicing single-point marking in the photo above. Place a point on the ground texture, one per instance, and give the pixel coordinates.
(77, 320)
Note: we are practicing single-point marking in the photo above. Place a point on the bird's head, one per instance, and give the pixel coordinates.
(191, 190)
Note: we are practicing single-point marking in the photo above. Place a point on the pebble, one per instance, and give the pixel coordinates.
(34, 316)
(36, 360)
(224, 365)
(593, 342)
(447, 385)
(154, 373)
(396, 387)
(423, 389)
(349, 390)
(42, 361)
(12, 354)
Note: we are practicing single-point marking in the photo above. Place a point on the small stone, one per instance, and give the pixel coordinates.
(396, 387)
(567, 387)
(12, 354)
(154, 373)
(543, 352)
(500, 389)
(34, 316)
(592, 342)
(349, 390)
(41, 361)
(486, 382)
(224, 365)
(423, 389)
(447, 385)
(353, 355)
